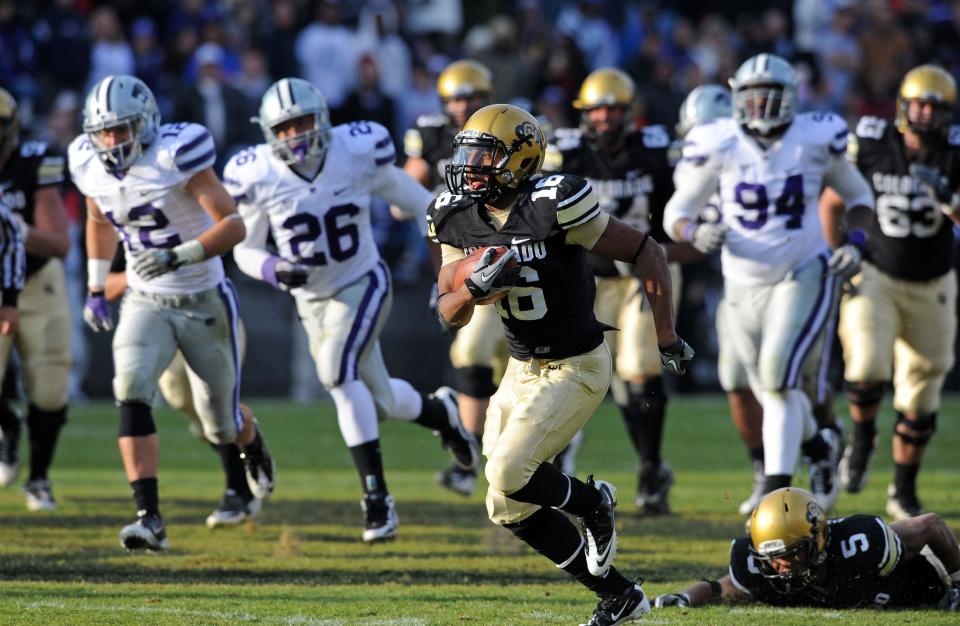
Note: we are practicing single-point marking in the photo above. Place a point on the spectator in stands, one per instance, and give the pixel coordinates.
(110, 54)
(327, 52)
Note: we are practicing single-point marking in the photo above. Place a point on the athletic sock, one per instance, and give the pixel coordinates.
(146, 494)
(433, 414)
(549, 487)
(905, 479)
(44, 431)
(369, 463)
(233, 470)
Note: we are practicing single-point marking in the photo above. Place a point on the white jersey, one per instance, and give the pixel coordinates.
(322, 223)
(768, 198)
(149, 204)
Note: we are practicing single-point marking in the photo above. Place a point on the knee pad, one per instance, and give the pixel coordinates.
(133, 387)
(505, 475)
(925, 425)
(475, 381)
(136, 420)
(46, 420)
(865, 394)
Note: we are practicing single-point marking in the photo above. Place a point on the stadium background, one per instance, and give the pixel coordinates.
(209, 61)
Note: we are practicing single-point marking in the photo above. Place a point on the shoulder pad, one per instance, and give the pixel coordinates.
(246, 169)
(432, 120)
(79, 152)
(869, 127)
(567, 138)
(441, 208)
(570, 197)
(185, 147)
(823, 128)
(655, 136)
(707, 139)
(32, 148)
(953, 135)
(367, 139)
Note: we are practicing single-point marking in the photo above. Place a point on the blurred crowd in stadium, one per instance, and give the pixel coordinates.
(209, 61)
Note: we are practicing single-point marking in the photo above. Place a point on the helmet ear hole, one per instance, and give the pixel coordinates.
(524, 163)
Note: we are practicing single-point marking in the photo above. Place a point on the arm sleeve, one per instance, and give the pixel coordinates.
(399, 189)
(451, 254)
(694, 186)
(846, 179)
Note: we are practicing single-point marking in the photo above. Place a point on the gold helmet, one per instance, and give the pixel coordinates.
(609, 87)
(788, 530)
(926, 83)
(464, 79)
(9, 124)
(500, 146)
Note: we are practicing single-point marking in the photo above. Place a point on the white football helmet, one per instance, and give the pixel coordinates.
(289, 98)
(764, 95)
(705, 103)
(117, 101)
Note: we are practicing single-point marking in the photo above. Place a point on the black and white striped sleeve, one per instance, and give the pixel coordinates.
(12, 258)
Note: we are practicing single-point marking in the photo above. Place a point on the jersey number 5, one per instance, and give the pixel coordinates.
(856, 543)
(753, 197)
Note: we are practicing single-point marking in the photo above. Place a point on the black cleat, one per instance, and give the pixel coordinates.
(653, 488)
(613, 610)
(855, 465)
(380, 517)
(461, 444)
(458, 480)
(147, 532)
(260, 469)
(600, 529)
(233, 509)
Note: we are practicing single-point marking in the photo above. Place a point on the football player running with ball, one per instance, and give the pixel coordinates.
(153, 185)
(464, 87)
(309, 187)
(795, 556)
(902, 307)
(560, 367)
(779, 279)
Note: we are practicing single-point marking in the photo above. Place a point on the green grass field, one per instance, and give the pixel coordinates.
(302, 562)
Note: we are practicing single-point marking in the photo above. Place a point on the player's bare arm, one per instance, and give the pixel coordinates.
(831, 217)
(228, 230)
(419, 169)
(929, 529)
(101, 239)
(48, 237)
(702, 593)
(622, 242)
(455, 305)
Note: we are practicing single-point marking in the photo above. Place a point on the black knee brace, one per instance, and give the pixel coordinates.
(926, 425)
(475, 381)
(136, 420)
(865, 394)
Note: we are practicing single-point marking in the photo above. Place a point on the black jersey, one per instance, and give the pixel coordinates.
(910, 238)
(549, 314)
(431, 139)
(633, 185)
(863, 568)
(31, 166)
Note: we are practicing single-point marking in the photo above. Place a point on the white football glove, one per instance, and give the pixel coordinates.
(845, 261)
(672, 599)
(709, 237)
(156, 262)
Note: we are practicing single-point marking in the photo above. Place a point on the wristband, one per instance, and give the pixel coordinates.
(857, 237)
(643, 243)
(190, 252)
(97, 270)
(689, 230)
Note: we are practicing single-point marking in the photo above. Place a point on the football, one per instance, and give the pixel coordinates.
(465, 268)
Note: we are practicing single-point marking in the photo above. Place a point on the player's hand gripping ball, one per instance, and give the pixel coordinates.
(488, 273)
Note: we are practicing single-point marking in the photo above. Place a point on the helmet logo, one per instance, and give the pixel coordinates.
(814, 514)
(527, 133)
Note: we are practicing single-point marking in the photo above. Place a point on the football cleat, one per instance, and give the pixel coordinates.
(458, 480)
(380, 517)
(39, 495)
(855, 465)
(260, 469)
(653, 488)
(612, 610)
(824, 482)
(901, 506)
(747, 506)
(147, 532)
(951, 600)
(600, 529)
(461, 444)
(9, 454)
(233, 509)
(566, 460)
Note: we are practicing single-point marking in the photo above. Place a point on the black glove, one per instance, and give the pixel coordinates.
(676, 357)
(290, 275)
(936, 184)
(489, 278)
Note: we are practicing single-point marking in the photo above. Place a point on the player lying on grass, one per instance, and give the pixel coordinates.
(795, 556)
